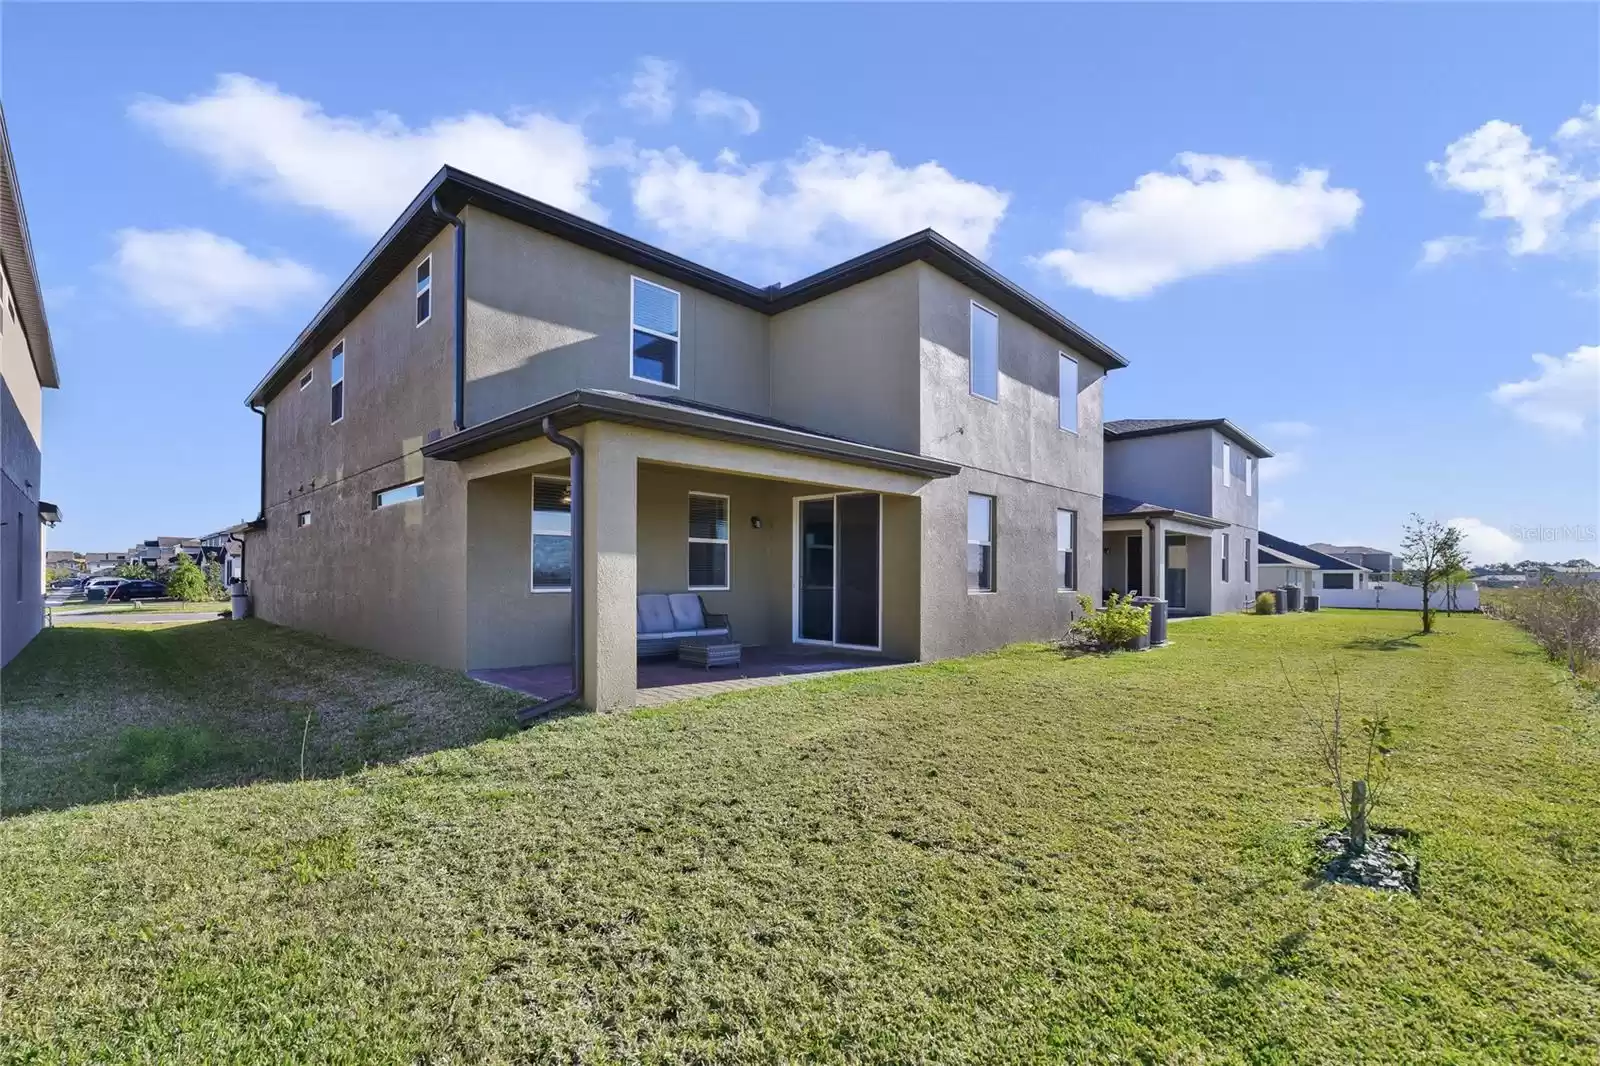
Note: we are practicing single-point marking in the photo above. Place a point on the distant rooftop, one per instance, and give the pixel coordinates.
(1129, 428)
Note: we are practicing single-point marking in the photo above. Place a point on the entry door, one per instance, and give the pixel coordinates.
(1177, 570)
(1135, 565)
(838, 570)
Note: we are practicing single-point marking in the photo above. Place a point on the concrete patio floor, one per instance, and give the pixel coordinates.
(665, 680)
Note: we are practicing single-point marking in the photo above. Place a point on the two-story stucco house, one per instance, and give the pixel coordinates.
(509, 416)
(27, 367)
(1181, 511)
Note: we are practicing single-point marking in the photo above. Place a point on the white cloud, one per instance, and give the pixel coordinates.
(1220, 212)
(711, 104)
(1582, 128)
(653, 94)
(822, 196)
(1290, 429)
(1562, 397)
(1485, 544)
(202, 280)
(1282, 465)
(365, 170)
(1439, 249)
(1536, 190)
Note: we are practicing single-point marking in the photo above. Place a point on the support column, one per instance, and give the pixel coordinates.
(1158, 561)
(610, 568)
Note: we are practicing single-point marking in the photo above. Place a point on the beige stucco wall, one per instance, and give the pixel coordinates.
(22, 537)
(847, 363)
(392, 579)
(546, 316)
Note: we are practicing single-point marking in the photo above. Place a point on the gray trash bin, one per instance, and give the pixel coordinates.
(1313, 601)
(241, 600)
(1294, 597)
(1280, 600)
(1158, 618)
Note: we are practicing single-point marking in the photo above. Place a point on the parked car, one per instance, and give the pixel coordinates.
(138, 590)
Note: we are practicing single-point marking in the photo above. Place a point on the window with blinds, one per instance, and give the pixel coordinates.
(1066, 549)
(551, 555)
(980, 543)
(655, 333)
(708, 543)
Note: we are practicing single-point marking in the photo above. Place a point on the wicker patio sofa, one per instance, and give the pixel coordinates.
(666, 618)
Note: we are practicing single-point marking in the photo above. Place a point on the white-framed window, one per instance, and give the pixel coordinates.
(303, 518)
(1227, 466)
(1250, 478)
(710, 553)
(425, 290)
(1227, 545)
(654, 316)
(550, 553)
(411, 490)
(1247, 554)
(305, 380)
(984, 354)
(336, 383)
(1066, 549)
(1067, 392)
(980, 543)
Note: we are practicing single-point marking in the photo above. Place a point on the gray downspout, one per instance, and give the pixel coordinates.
(528, 715)
(261, 514)
(459, 409)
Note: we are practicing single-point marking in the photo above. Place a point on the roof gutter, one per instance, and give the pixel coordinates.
(528, 715)
(460, 283)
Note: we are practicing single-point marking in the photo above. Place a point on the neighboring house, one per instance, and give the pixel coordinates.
(58, 559)
(27, 367)
(226, 546)
(1376, 561)
(901, 454)
(1283, 562)
(103, 562)
(1181, 512)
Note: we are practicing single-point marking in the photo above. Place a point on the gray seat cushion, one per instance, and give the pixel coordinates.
(655, 614)
(686, 611)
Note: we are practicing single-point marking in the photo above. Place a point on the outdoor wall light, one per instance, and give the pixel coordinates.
(755, 522)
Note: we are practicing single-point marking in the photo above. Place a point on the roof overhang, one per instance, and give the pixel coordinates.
(16, 252)
(598, 405)
(1148, 511)
(1221, 425)
(1284, 558)
(457, 190)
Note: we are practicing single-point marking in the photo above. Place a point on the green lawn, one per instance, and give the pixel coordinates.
(1009, 858)
(120, 607)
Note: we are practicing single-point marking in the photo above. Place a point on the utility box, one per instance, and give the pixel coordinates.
(1294, 597)
(1158, 618)
(1313, 601)
(1280, 599)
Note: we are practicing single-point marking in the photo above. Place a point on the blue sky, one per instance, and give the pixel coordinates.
(1240, 199)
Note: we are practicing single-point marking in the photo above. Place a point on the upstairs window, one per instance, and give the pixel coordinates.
(980, 543)
(1227, 466)
(551, 567)
(655, 333)
(305, 381)
(1237, 468)
(708, 542)
(424, 290)
(985, 354)
(1067, 392)
(1066, 550)
(336, 376)
(1250, 479)
(412, 490)
(303, 518)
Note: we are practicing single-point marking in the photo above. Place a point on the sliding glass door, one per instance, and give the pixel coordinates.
(838, 564)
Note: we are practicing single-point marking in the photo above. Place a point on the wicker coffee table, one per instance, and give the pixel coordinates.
(709, 651)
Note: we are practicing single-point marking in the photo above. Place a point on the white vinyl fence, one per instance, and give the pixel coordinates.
(1393, 596)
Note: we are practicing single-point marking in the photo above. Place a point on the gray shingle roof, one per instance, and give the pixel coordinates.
(1128, 428)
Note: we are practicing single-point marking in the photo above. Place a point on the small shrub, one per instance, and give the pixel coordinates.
(1266, 603)
(1117, 626)
(134, 572)
(187, 582)
(146, 758)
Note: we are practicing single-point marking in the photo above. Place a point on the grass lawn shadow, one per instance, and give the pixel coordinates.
(1379, 643)
(96, 714)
